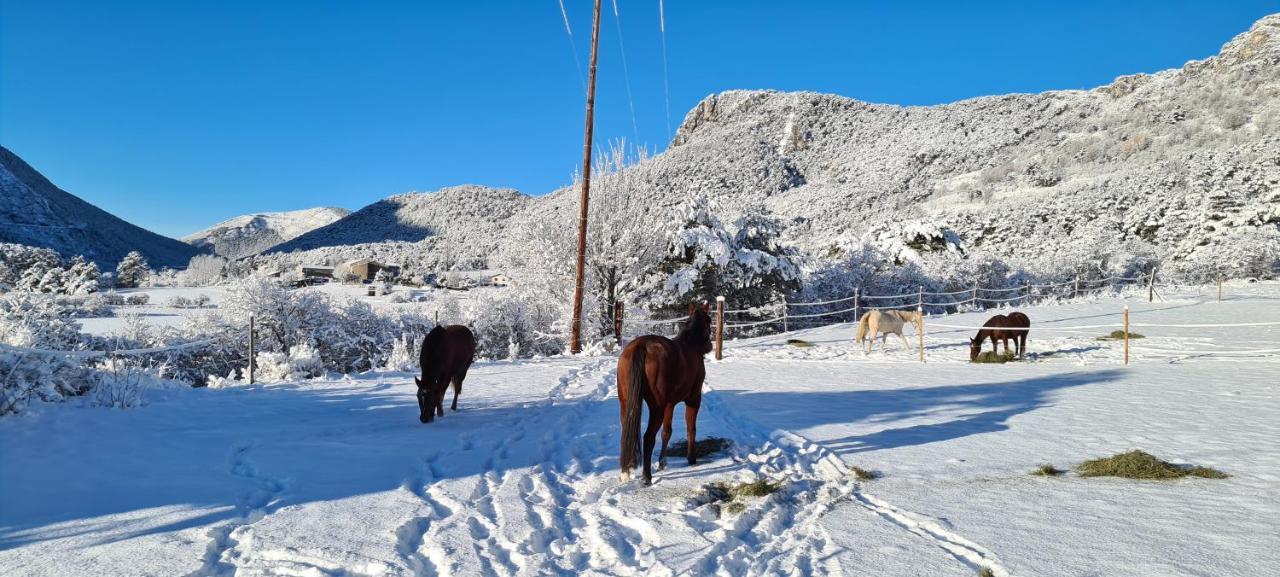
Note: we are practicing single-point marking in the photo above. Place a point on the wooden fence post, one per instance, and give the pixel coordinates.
(719, 328)
(920, 299)
(1219, 287)
(251, 346)
(1126, 334)
(784, 314)
(920, 331)
(1027, 285)
(856, 293)
(975, 294)
(1075, 292)
(617, 322)
(1151, 286)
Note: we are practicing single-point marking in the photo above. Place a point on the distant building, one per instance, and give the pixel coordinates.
(365, 269)
(315, 272)
(465, 279)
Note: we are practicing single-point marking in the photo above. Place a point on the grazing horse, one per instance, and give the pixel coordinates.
(882, 323)
(446, 355)
(662, 372)
(1014, 325)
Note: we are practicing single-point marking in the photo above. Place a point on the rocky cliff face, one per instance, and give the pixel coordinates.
(1183, 165)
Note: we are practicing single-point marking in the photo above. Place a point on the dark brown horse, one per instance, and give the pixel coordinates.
(663, 373)
(1014, 326)
(446, 355)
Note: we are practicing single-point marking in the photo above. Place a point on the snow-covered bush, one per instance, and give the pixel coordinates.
(404, 354)
(36, 321)
(118, 385)
(507, 326)
(137, 299)
(25, 377)
(302, 362)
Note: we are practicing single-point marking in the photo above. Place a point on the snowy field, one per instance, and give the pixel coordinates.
(158, 312)
(337, 477)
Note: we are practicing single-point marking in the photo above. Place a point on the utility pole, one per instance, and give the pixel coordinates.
(575, 338)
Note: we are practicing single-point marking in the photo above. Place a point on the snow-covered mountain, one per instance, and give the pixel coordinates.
(1181, 166)
(35, 212)
(253, 233)
(457, 223)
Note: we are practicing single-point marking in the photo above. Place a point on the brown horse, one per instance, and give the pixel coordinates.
(663, 373)
(1014, 325)
(446, 355)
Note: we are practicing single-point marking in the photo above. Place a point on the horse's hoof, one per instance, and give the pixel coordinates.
(692, 461)
(648, 481)
(662, 464)
(626, 476)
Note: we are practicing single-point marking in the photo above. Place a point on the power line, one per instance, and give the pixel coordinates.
(573, 47)
(626, 74)
(666, 90)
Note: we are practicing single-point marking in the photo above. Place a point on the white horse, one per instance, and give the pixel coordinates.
(882, 323)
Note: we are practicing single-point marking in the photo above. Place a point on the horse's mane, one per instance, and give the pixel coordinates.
(696, 330)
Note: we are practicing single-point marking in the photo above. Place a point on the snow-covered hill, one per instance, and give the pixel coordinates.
(1181, 167)
(35, 212)
(457, 223)
(253, 233)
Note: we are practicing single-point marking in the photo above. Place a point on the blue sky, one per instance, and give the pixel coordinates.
(174, 115)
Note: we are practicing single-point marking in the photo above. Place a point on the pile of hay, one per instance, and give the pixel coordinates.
(990, 357)
(1140, 465)
(701, 448)
(1119, 336)
(732, 497)
(799, 343)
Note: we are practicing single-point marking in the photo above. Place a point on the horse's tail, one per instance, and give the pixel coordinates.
(862, 327)
(631, 410)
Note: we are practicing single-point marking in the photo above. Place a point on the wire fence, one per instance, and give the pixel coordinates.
(778, 316)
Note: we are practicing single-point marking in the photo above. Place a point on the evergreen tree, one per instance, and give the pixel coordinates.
(744, 262)
(133, 271)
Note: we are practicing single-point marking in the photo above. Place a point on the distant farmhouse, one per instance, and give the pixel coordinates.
(364, 269)
(466, 279)
(313, 275)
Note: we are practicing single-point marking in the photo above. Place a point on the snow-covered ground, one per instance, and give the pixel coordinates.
(158, 312)
(337, 477)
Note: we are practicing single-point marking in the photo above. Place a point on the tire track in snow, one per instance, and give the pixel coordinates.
(783, 453)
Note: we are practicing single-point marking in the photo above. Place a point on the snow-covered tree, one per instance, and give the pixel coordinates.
(744, 262)
(133, 271)
(203, 270)
(82, 277)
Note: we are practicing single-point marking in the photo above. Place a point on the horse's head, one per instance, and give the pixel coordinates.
(975, 347)
(697, 328)
(426, 399)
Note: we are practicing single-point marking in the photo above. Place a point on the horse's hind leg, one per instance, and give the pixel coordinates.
(457, 388)
(650, 438)
(691, 427)
(666, 435)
